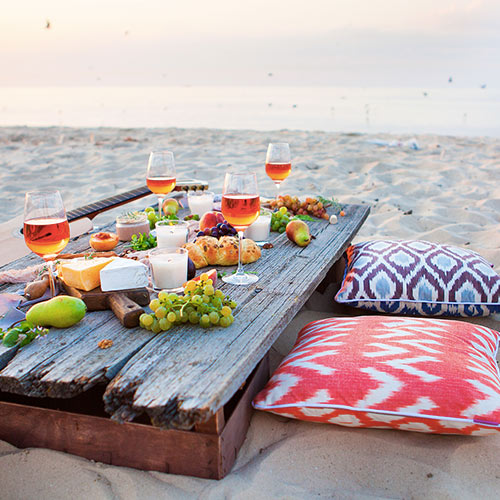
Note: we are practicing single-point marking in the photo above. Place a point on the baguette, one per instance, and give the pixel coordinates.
(210, 251)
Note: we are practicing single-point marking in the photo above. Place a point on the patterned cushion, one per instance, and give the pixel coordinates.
(418, 277)
(416, 374)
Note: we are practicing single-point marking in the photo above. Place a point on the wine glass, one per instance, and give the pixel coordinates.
(46, 228)
(160, 177)
(240, 207)
(278, 163)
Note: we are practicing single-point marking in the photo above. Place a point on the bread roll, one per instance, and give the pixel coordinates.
(210, 251)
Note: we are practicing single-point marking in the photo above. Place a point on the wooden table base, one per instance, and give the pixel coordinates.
(208, 451)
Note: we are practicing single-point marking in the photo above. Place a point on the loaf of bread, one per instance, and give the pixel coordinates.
(210, 251)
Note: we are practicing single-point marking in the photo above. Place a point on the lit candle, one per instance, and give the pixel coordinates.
(168, 268)
(259, 230)
(200, 202)
(171, 233)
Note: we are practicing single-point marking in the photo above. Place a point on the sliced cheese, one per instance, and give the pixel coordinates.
(83, 274)
(123, 274)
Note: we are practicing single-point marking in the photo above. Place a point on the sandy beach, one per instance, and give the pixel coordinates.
(437, 188)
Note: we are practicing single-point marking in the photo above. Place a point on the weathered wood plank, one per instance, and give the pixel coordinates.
(185, 375)
(6, 354)
(66, 362)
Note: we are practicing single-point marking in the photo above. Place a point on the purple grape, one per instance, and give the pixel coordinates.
(223, 229)
(233, 231)
(207, 231)
(215, 232)
(219, 225)
(200, 233)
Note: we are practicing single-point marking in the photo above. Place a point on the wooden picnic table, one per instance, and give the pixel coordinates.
(184, 377)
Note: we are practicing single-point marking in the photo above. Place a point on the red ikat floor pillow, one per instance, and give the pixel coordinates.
(414, 374)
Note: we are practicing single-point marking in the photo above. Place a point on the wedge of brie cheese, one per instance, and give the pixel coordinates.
(123, 274)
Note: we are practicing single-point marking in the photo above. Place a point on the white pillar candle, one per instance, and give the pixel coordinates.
(259, 230)
(200, 202)
(168, 268)
(171, 233)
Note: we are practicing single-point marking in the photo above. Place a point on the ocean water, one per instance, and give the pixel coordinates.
(446, 111)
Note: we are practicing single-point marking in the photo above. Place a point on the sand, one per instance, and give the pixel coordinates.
(447, 191)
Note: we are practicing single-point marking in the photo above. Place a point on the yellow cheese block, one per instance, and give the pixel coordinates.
(83, 274)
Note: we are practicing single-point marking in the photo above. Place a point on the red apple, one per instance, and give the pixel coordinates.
(219, 217)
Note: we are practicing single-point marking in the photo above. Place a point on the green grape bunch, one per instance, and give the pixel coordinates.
(282, 217)
(154, 217)
(201, 305)
(279, 220)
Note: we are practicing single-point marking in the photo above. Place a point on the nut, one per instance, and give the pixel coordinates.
(105, 344)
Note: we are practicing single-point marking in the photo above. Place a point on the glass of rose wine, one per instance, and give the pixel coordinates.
(240, 207)
(46, 229)
(278, 163)
(160, 177)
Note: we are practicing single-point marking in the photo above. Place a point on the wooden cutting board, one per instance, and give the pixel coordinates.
(124, 303)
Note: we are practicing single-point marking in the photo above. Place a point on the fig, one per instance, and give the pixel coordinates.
(191, 269)
(297, 231)
(35, 289)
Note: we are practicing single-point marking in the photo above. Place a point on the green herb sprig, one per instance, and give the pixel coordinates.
(21, 334)
(142, 242)
(303, 217)
(331, 202)
(192, 217)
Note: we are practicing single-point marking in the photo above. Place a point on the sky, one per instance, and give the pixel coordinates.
(353, 43)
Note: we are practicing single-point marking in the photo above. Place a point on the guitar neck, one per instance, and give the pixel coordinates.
(93, 209)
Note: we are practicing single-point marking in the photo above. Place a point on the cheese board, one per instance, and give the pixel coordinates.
(124, 303)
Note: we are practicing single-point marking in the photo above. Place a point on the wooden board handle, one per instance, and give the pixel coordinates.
(126, 310)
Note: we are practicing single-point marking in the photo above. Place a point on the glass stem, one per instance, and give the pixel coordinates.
(278, 184)
(160, 203)
(240, 240)
(51, 278)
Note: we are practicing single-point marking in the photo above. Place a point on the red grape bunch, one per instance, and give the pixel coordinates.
(310, 206)
(221, 229)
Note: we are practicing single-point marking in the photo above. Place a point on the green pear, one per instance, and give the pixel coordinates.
(298, 232)
(61, 311)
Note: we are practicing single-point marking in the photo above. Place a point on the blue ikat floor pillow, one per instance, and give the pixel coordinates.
(420, 278)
